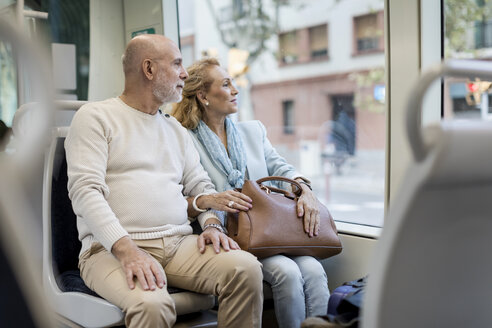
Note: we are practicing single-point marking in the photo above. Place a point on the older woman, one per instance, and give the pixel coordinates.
(231, 153)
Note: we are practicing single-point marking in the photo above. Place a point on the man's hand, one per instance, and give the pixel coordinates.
(307, 206)
(214, 236)
(137, 263)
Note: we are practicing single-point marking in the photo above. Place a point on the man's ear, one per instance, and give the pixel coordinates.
(148, 69)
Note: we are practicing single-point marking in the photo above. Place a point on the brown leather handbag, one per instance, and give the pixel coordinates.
(273, 227)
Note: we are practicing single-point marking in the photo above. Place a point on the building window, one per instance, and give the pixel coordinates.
(288, 115)
(288, 47)
(368, 33)
(318, 41)
(483, 34)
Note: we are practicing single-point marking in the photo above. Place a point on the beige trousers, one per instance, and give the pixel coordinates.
(234, 276)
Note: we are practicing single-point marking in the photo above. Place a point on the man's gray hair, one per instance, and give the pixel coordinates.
(129, 59)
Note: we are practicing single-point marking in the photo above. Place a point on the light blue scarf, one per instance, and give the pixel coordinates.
(232, 166)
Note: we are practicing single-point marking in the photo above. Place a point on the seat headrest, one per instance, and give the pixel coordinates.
(453, 149)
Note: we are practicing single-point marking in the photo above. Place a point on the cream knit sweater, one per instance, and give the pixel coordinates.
(128, 173)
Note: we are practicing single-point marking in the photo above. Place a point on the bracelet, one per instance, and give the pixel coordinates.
(194, 203)
(307, 184)
(216, 226)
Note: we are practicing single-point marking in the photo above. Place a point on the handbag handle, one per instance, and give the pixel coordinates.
(297, 192)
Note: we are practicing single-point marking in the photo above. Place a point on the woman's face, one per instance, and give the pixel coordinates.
(222, 95)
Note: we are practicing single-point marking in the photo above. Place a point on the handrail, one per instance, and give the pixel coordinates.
(455, 68)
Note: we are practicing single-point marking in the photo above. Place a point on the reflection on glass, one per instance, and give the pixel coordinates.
(468, 35)
(313, 73)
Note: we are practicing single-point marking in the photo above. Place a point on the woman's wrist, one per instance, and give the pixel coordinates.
(305, 185)
(204, 201)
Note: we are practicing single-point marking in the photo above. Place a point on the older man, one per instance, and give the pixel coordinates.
(130, 168)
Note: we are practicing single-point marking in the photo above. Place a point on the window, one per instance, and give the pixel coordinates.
(318, 41)
(288, 116)
(368, 33)
(67, 28)
(300, 98)
(69, 25)
(483, 24)
(187, 49)
(8, 87)
(304, 45)
(467, 98)
(288, 47)
(483, 34)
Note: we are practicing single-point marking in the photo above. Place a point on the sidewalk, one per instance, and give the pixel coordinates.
(357, 193)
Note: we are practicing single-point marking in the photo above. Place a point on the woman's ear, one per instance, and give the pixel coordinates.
(202, 97)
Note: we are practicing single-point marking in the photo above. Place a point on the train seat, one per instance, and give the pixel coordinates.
(70, 297)
(432, 266)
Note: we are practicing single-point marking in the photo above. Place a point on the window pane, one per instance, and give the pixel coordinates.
(326, 117)
(367, 32)
(8, 84)
(318, 41)
(68, 31)
(468, 35)
(288, 47)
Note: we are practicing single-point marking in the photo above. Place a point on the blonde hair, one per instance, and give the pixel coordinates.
(190, 110)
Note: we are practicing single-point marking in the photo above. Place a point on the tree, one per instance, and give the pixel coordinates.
(460, 18)
(364, 94)
(249, 25)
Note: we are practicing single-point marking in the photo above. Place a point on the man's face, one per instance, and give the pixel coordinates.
(170, 75)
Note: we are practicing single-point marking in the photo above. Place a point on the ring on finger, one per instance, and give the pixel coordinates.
(231, 204)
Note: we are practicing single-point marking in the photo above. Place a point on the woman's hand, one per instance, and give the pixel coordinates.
(229, 201)
(307, 206)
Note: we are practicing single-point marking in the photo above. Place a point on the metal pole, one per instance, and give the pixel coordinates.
(35, 14)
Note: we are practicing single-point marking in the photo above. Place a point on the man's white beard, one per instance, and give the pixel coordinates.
(165, 92)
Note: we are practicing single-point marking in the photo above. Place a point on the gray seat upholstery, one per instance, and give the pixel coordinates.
(71, 298)
(432, 267)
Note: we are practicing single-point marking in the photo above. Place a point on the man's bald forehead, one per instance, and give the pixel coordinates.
(149, 41)
(145, 46)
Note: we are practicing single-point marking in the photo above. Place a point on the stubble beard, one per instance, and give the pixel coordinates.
(166, 92)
